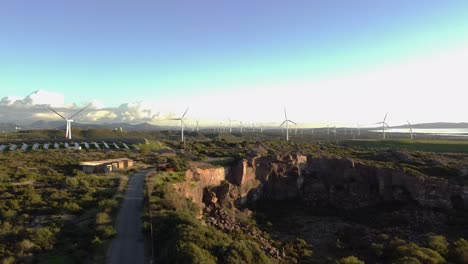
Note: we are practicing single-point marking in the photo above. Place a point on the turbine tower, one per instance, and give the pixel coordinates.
(230, 121)
(68, 130)
(287, 121)
(181, 124)
(410, 129)
(383, 125)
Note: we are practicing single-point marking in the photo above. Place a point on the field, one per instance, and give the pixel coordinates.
(51, 212)
(429, 145)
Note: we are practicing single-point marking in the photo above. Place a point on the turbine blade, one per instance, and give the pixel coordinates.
(385, 118)
(185, 113)
(79, 111)
(285, 115)
(57, 113)
(292, 122)
(387, 125)
(284, 122)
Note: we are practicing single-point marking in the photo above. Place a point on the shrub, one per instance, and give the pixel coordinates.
(191, 253)
(438, 243)
(71, 207)
(424, 255)
(245, 251)
(106, 231)
(44, 238)
(103, 218)
(350, 260)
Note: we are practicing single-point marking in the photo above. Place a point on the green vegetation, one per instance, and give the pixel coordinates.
(181, 237)
(439, 146)
(50, 211)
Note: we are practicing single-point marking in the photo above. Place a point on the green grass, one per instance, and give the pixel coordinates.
(169, 177)
(439, 146)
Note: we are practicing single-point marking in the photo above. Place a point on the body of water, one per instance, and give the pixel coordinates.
(434, 131)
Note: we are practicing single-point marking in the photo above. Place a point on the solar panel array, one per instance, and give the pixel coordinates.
(68, 145)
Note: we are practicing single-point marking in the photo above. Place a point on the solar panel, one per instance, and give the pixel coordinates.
(105, 145)
(116, 147)
(24, 147)
(86, 145)
(56, 145)
(3, 147)
(96, 145)
(125, 145)
(13, 147)
(46, 146)
(35, 146)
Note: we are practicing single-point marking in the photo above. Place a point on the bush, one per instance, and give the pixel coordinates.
(245, 251)
(191, 253)
(350, 260)
(438, 243)
(44, 238)
(424, 255)
(106, 231)
(103, 218)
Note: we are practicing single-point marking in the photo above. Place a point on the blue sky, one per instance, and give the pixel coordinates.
(124, 51)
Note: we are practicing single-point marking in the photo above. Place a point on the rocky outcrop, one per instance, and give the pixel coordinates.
(197, 179)
(323, 181)
(343, 183)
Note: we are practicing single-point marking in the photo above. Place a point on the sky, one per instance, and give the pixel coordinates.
(326, 61)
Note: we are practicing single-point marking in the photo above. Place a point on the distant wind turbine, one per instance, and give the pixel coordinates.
(230, 127)
(410, 129)
(287, 121)
(69, 120)
(197, 125)
(182, 123)
(383, 125)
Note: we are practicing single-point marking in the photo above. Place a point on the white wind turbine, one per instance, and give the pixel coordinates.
(287, 121)
(383, 125)
(197, 125)
(69, 120)
(410, 129)
(182, 123)
(241, 126)
(230, 126)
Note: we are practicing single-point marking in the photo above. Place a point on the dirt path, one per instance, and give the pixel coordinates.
(128, 245)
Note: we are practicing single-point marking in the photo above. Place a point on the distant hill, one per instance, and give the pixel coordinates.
(436, 125)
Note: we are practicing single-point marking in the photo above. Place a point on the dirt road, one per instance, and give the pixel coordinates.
(128, 245)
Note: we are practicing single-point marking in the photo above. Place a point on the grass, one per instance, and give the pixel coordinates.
(169, 177)
(439, 146)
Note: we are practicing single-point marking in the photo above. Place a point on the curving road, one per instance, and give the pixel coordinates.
(128, 245)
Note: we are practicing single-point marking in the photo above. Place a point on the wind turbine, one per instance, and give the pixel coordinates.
(287, 121)
(230, 127)
(69, 120)
(383, 125)
(410, 129)
(197, 125)
(241, 126)
(181, 124)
